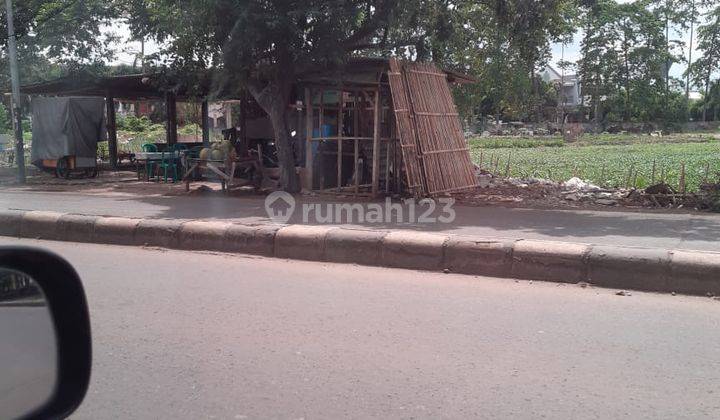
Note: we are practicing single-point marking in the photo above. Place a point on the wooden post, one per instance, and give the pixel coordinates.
(356, 145)
(308, 139)
(507, 166)
(376, 145)
(171, 119)
(388, 143)
(682, 178)
(340, 123)
(652, 178)
(111, 130)
(205, 120)
(243, 117)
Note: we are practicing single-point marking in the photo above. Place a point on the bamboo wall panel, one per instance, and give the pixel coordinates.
(405, 129)
(435, 152)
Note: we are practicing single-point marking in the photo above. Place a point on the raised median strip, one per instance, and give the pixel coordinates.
(680, 271)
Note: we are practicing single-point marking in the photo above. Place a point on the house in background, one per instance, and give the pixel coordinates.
(570, 91)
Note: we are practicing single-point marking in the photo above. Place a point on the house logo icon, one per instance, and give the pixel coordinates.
(279, 206)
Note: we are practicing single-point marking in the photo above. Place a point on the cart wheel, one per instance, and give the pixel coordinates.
(62, 170)
(91, 172)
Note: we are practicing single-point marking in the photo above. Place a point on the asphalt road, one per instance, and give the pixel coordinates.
(648, 229)
(192, 335)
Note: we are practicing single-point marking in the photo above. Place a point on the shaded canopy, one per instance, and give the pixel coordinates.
(357, 71)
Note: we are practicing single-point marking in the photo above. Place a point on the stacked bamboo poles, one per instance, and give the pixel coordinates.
(406, 129)
(427, 118)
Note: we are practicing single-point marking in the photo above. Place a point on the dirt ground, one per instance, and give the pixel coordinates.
(494, 191)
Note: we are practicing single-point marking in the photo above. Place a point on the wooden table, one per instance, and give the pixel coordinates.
(224, 169)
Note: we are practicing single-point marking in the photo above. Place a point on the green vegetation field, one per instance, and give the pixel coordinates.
(606, 160)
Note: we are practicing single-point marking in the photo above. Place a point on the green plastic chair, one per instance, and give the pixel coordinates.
(148, 147)
(168, 161)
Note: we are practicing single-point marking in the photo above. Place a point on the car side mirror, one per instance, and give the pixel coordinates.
(45, 347)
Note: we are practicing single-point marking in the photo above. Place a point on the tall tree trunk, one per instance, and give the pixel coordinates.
(692, 28)
(667, 59)
(273, 98)
(289, 180)
(706, 99)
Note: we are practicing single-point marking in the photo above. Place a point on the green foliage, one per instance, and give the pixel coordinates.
(516, 142)
(134, 124)
(5, 120)
(55, 37)
(624, 56)
(503, 44)
(702, 70)
(190, 129)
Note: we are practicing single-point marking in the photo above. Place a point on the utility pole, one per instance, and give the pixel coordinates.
(15, 79)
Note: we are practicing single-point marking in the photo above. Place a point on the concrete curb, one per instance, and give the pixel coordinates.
(681, 271)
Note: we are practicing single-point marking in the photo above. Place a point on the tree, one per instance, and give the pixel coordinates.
(624, 56)
(702, 69)
(56, 36)
(502, 43)
(262, 45)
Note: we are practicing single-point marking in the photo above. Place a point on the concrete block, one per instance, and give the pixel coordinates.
(256, 240)
(694, 272)
(301, 242)
(115, 231)
(354, 246)
(550, 261)
(10, 221)
(468, 255)
(202, 235)
(40, 225)
(76, 227)
(629, 268)
(158, 232)
(416, 250)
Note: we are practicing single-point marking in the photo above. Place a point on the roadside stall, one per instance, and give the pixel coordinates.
(65, 133)
(223, 161)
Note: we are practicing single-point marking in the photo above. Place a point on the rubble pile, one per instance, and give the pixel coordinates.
(576, 192)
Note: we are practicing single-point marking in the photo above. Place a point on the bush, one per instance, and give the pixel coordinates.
(134, 124)
(190, 129)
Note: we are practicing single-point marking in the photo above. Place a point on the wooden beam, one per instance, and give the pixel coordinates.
(320, 130)
(356, 149)
(308, 139)
(243, 117)
(205, 124)
(111, 130)
(171, 119)
(340, 137)
(376, 146)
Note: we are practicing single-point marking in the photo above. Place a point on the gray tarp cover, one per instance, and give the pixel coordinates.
(67, 126)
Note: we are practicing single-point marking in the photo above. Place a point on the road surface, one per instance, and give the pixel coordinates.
(650, 229)
(191, 335)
